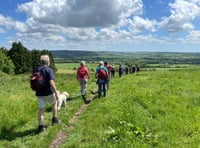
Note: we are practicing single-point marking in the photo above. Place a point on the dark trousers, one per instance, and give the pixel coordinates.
(101, 87)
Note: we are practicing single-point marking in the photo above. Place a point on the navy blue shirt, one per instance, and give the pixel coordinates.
(48, 75)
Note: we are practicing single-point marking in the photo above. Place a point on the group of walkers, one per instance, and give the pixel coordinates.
(128, 69)
(49, 94)
(103, 73)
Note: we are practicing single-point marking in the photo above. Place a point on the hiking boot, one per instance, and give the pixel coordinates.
(84, 98)
(41, 128)
(87, 101)
(55, 120)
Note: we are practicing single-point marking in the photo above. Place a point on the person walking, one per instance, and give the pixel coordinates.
(109, 68)
(82, 77)
(120, 70)
(126, 69)
(102, 76)
(47, 94)
(113, 71)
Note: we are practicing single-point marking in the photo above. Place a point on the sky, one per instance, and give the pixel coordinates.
(102, 25)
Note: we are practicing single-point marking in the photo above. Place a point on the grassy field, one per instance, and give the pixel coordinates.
(150, 109)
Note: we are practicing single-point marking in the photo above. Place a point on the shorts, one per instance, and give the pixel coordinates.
(43, 99)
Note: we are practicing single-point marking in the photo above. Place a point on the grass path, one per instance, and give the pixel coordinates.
(61, 137)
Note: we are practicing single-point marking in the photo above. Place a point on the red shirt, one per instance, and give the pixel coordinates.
(82, 73)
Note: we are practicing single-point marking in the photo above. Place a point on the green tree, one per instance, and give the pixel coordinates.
(21, 58)
(35, 55)
(6, 64)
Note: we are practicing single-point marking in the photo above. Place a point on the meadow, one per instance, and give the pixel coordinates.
(158, 108)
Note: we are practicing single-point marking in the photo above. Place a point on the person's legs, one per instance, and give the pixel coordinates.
(54, 110)
(104, 89)
(55, 120)
(99, 89)
(107, 84)
(83, 85)
(41, 116)
(52, 99)
(41, 104)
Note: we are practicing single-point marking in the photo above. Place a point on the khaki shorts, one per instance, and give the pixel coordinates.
(43, 99)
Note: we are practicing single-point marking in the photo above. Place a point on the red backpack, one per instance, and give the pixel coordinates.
(81, 72)
(102, 74)
(37, 80)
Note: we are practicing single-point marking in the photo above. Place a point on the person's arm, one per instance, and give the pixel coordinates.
(53, 86)
(88, 75)
(107, 73)
(96, 73)
(77, 73)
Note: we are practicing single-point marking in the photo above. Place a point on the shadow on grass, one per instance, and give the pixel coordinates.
(95, 97)
(72, 98)
(9, 133)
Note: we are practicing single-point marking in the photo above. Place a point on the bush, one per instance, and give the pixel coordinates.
(6, 64)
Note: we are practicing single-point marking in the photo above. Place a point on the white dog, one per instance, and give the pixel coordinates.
(62, 99)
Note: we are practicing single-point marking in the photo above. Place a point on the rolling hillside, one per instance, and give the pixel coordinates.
(70, 56)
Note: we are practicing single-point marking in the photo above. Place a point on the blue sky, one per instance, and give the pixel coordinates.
(102, 25)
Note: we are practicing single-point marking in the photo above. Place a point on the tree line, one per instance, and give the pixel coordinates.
(20, 60)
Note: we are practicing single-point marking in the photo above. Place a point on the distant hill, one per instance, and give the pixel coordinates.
(92, 56)
(62, 56)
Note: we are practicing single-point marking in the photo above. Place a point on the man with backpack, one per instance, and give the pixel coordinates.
(102, 77)
(46, 94)
(82, 77)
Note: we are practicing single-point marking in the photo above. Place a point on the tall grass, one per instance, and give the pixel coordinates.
(18, 114)
(150, 109)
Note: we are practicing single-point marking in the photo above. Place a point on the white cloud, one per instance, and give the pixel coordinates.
(183, 12)
(192, 38)
(139, 24)
(75, 20)
(6, 21)
(89, 24)
(80, 13)
(9, 23)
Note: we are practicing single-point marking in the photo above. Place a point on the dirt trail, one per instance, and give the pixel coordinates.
(61, 137)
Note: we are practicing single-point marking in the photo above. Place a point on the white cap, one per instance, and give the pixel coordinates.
(82, 63)
(101, 63)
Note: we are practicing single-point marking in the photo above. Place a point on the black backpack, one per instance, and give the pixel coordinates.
(37, 80)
